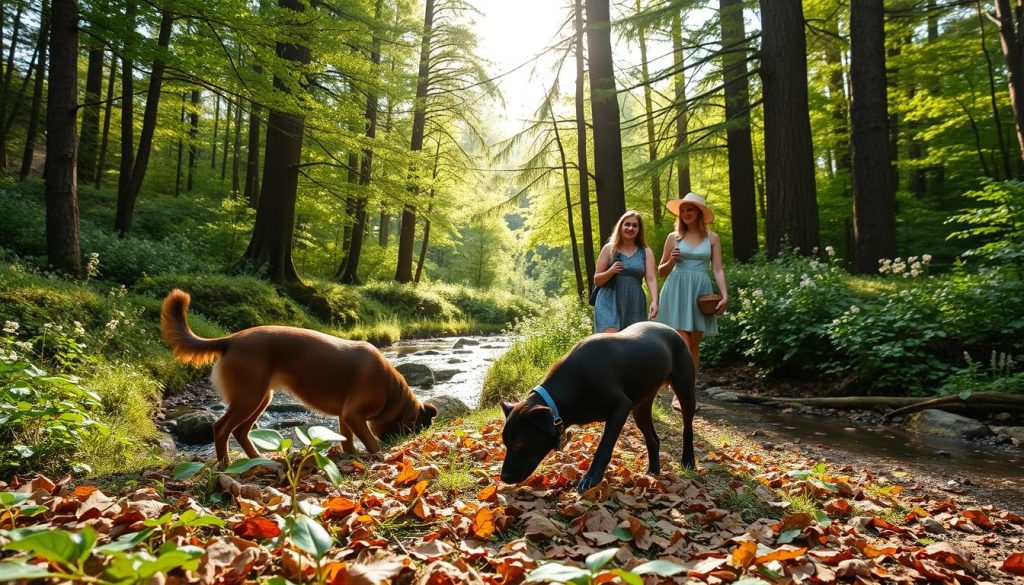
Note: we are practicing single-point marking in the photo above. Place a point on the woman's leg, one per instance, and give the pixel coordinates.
(692, 339)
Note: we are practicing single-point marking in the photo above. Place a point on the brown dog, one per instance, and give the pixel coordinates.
(349, 379)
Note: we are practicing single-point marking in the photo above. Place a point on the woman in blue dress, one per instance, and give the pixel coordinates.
(624, 263)
(689, 250)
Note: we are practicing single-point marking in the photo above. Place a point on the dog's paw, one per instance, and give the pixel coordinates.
(586, 482)
(654, 470)
(689, 462)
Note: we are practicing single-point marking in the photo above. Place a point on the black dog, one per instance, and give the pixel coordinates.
(604, 378)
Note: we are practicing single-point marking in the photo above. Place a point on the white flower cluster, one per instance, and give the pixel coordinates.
(806, 281)
(912, 267)
(92, 266)
(11, 327)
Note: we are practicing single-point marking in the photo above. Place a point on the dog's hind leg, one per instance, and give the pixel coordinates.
(644, 421)
(241, 432)
(358, 426)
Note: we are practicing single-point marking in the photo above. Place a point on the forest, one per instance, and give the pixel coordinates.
(396, 170)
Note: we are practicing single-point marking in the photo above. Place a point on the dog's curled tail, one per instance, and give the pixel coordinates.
(187, 346)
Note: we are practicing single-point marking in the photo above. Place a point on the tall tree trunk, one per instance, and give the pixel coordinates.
(568, 210)
(839, 106)
(181, 147)
(586, 223)
(126, 198)
(101, 162)
(252, 157)
(8, 72)
(62, 241)
(1011, 37)
(193, 138)
(792, 206)
(992, 91)
(737, 137)
(37, 95)
(682, 110)
(213, 141)
(407, 235)
(236, 175)
(893, 148)
(426, 220)
(228, 116)
(88, 146)
(874, 203)
(604, 107)
(657, 211)
(351, 272)
(127, 101)
(270, 249)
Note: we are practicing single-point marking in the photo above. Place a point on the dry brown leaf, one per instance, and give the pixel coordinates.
(540, 526)
(1014, 564)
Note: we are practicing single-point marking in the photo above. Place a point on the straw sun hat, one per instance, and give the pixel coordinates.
(693, 199)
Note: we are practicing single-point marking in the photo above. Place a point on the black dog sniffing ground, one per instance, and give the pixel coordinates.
(604, 377)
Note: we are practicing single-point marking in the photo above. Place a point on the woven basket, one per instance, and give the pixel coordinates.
(708, 304)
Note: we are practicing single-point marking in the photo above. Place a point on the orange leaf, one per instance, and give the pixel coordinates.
(979, 518)
(782, 554)
(797, 521)
(838, 507)
(488, 494)
(257, 527)
(407, 474)
(421, 510)
(1014, 564)
(744, 554)
(84, 491)
(339, 507)
(483, 524)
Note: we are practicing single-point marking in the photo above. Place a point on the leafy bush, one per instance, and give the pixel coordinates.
(889, 344)
(784, 308)
(487, 306)
(1000, 375)
(540, 341)
(996, 224)
(412, 301)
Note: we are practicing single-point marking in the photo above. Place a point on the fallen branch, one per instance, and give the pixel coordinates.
(982, 401)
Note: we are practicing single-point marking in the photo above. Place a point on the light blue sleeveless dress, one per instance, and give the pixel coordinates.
(688, 280)
(622, 302)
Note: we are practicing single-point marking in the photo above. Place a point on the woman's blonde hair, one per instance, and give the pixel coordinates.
(615, 238)
(702, 227)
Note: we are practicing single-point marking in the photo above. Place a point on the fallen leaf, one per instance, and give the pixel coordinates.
(483, 523)
(257, 527)
(1014, 564)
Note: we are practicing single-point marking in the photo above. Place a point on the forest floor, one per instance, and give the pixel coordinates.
(431, 510)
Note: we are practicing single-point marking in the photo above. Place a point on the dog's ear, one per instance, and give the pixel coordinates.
(542, 417)
(507, 408)
(430, 409)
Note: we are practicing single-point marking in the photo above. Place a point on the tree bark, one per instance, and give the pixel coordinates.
(252, 157)
(580, 291)
(228, 117)
(407, 235)
(791, 206)
(657, 211)
(8, 72)
(874, 203)
(88, 149)
(604, 108)
(213, 141)
(236, 169)
(127, 102)
(426, 222)
(270, 249)
(37, 95)
(62, 241)
(101, 162)
(582, 163)
(992, 92)
(181, 148)
(126, 198)
(740, 149)
(351, 273)
(193, 138)
(682, 111)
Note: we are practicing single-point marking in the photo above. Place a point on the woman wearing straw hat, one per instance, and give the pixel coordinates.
(688, 252)
(624, 263)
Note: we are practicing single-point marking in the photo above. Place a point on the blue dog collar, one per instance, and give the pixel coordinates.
(559, 424)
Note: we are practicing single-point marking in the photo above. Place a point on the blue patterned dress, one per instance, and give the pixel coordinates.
(688, 280)
(622, 302)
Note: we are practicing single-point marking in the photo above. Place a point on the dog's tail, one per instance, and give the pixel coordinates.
(187, 346)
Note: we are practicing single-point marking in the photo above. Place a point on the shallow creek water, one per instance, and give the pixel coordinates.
(460, 373)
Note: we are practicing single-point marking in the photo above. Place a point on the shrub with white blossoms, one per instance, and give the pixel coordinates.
(912, 267)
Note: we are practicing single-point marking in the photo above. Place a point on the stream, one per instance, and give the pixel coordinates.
(461, 363)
